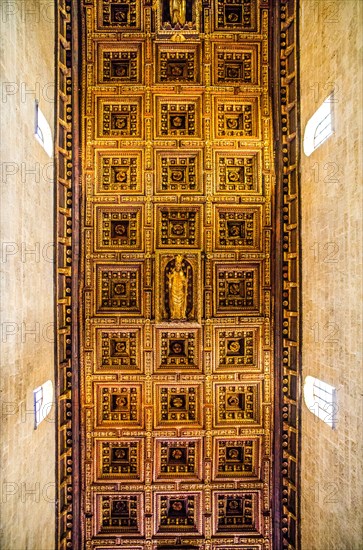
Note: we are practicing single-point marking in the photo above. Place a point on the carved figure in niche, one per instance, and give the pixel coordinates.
(178, 289)
(177, 13)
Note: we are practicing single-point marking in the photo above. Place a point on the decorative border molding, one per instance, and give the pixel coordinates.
(66, 275)
(287, 271)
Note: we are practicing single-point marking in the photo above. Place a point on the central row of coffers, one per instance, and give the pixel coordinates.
(122, 459)
(121, 291)
(120, 228)
(180, 513)
(178, 348)
(178, 170)
(122, 405)
(121, 117)
(235, 64)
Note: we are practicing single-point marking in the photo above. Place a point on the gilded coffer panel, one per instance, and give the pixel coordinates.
(176, 345)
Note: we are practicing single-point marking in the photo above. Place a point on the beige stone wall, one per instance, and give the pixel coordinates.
(27, 360)
(331, 195)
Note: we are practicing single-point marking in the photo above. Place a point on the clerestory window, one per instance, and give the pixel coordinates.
(43, 401)
(319, 127)
(42, 131)
(321, 399)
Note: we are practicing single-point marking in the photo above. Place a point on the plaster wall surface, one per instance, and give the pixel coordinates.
(27, 341)
(331, 197)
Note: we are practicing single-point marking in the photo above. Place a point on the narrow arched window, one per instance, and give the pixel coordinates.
(319, 127)
(43, 402)
(42, 131)
(320, 398)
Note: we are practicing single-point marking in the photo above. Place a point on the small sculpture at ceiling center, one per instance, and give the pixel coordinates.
(178, 14)
(178, 9)
(178, 290)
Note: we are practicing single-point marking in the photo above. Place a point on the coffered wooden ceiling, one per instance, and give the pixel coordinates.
(176, 376)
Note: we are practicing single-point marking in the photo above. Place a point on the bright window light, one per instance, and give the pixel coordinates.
(43, 133)
(321, 399)
(319, 127)
(43, 401)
